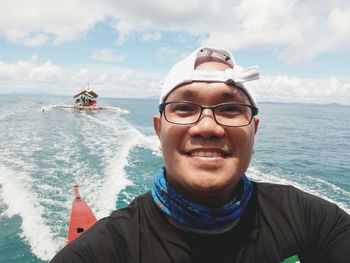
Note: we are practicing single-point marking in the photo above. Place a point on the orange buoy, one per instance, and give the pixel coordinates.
(81, 217)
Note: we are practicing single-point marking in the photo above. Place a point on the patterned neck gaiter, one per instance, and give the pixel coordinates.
(197, 218)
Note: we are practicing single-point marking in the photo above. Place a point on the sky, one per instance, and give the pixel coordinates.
(125, 48)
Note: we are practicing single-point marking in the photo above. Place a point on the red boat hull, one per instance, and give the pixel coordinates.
(81, 217)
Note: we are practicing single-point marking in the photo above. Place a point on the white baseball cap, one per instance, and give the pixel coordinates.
(184, 72)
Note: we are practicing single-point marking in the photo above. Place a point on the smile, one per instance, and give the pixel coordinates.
(206, 153)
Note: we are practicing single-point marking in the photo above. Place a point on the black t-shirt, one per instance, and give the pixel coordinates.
(280, 222)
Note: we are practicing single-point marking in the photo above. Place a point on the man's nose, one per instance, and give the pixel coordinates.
(207, 126)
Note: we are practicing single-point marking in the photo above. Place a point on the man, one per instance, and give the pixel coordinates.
(202, 207)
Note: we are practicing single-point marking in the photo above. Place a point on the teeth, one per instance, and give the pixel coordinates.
(206, 154)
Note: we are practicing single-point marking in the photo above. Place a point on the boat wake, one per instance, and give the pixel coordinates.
(120, 138)
(94, 108)
(20, 200)
(38, 168)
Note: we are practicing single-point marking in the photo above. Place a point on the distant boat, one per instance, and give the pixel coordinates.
(84, 100)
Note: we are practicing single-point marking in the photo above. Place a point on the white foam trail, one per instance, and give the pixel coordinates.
(255, 174)
(45, 108)
(116, 179)
(71, 107)
(21, 201)
(116, 152)
(152, 143)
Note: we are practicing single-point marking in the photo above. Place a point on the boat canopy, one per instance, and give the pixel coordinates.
(87, 93)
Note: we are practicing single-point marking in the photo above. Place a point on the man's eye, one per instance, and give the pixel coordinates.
(230, 109)
(184, 108)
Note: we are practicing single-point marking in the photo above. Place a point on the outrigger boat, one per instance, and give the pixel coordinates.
(84, 100)
(81, 217)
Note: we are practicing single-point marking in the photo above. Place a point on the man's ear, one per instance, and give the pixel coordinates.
(256, 123)
(157, 124)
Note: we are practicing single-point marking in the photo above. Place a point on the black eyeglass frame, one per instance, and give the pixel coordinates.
(254, 109)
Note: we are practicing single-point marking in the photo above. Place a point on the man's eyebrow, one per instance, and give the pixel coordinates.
(188, 94)
(234, 94)
(229, 95)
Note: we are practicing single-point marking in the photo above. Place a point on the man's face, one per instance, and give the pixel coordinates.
(205, 161)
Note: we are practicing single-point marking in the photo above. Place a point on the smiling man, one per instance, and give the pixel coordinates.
(206, 150)
(202, 207)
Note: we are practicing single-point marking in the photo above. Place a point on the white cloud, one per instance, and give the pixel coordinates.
(339, 23)
(108, 81)
(23, 37)
(30, 70)
(102, 77)
(295, 30)
(124, 29)
(83, 72)
(294, 89)
(127, 74)
(106, 55)
(30, 76)
(39, 22)
(112, 81)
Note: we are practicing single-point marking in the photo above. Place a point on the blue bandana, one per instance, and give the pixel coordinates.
(197, 218)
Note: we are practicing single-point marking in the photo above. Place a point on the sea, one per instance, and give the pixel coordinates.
(114, 154)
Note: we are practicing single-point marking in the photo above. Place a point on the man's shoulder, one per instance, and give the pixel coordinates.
(272, 190)
(288, 196)
(279, 194)
(314, 226)
(128, 220)
(264, 186)
(141, 202)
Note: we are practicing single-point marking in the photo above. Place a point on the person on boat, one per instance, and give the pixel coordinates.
(202, 206)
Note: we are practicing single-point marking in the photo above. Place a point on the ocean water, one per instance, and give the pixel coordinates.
(113, 156)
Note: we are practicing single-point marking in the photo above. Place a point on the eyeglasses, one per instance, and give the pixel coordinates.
(225, 114)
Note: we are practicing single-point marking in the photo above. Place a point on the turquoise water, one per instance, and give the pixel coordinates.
(114, 154)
